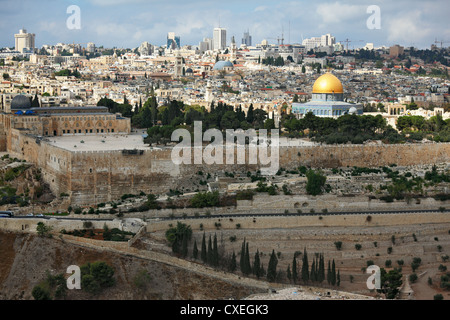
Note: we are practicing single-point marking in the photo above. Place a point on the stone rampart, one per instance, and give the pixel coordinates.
(30, 224)
(93, 177)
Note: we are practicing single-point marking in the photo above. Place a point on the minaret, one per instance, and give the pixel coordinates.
(178, 64)
(233, 49)
(208, 94)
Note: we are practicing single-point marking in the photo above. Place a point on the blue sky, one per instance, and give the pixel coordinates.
(127, 23)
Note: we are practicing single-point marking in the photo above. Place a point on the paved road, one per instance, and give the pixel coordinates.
(254, 215)
(303, 214)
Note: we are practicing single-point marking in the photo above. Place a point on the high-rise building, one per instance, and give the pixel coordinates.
(219, 39)
(173, 41)
(145, 49)
(326, 40)
(205, 45)
(395, 51)
(90, 47)
(24, 40)
(247, 39)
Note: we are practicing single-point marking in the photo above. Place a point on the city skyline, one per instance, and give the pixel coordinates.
(127, 24)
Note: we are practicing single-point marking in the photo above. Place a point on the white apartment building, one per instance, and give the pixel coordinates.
(24, 40)
(219, 39)
(326, 40)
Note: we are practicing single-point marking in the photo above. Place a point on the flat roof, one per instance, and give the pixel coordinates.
(69, 108)
(99, 142)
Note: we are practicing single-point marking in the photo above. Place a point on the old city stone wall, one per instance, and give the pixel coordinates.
(369, 155)
(30, 224)
(101, 176)
(55, 163)
(104, 176)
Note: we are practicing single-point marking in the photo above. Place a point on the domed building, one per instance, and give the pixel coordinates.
(20, 102)
(327, 99)
(223, 65)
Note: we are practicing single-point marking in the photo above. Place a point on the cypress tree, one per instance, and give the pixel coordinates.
(247, 265)
(294, 270)
(272, 268)
(242, 258)
(257, 265)
(210, 255)
(215, 252)
(305, 267)
(329, 273)
(184, 245)
(35, 102)
(321, 269)
(203, 252)
(232, 265)
(250, 115)
(312, 275)
(263, 272)
(195, 250)
(333, 273)
(288, 273)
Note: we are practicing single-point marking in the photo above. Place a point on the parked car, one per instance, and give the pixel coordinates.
(30, 215)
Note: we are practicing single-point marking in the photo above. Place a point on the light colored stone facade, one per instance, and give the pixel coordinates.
(92, 177)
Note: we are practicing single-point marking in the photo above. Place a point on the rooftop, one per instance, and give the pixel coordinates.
(101, 142)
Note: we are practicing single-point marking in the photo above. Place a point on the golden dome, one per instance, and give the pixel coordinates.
(328, 83)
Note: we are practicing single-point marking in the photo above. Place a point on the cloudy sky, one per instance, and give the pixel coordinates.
(128, 23)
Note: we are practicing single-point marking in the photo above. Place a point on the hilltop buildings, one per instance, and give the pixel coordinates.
(24, 42)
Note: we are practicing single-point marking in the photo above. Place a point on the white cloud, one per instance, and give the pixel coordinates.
(336, 12)
(104, 3)
(260, 8)
(408, 27)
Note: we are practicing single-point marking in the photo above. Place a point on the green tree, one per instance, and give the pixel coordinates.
(315, 182)
(210, 254)
(338, 245)
(203, 253)
(390, 282)
(257, 265)
(333, 273)
(269, 124)
(178, 238)
(205, 199)
(35, 102)
(294, 270)
(96, 276)
(232, 265)
(272, 268)
(242, 258)
(43, 230)
(195, 250)
(305, 267)
(413, 277)
(247, 265)
(321, 271)
(40, 293)
(215, 252)
(250, 114)
(288, 273)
